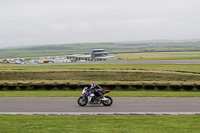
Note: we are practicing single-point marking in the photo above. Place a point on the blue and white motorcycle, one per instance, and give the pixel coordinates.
(96, 98)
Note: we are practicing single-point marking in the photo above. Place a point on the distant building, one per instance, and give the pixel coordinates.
(96, 55)
(78, 57)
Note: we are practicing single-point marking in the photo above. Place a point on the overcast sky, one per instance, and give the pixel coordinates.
(38, 22)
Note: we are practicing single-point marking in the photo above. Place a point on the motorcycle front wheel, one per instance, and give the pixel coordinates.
(82, 101)
(108, 102)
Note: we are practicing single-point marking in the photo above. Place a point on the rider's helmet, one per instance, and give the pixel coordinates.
(92, 84)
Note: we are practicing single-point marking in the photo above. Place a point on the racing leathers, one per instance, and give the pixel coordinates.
(96, 88)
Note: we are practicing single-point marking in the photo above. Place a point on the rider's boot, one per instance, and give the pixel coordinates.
(89, 99)
(102, 97)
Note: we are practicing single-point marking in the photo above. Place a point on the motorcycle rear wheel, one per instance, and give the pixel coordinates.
(108, 102)
(82, 102)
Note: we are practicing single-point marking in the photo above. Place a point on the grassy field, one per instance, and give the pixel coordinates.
(181, 53)
(112, 94)
(159, 55)
(154, 67)
(99, 124)
(104, 74)
(89, 75)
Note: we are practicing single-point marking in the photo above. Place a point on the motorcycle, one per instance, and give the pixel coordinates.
(96, 98)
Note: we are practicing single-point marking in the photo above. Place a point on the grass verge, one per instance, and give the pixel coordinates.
(112, 94)
(97, 75)
(158, 67)
(100, 124)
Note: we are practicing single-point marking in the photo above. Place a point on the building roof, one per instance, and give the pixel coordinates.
(98, 50)
(101, 53)
(105, 57)
(74, 55)
(84, 56)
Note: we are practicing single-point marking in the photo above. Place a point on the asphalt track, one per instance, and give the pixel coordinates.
(68, 105)
(194, 61)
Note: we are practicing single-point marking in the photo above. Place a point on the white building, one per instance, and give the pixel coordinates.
(96, 55)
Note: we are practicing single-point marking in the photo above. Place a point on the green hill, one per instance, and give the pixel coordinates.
(65, 49)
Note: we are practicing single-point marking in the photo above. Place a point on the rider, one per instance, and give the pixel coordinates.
(95, 88)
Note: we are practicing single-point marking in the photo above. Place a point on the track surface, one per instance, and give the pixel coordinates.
(121, 104)
(194, 61)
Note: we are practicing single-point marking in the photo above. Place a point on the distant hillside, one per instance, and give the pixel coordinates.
(65, 49)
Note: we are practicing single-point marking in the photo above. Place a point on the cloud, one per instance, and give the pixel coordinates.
(37, 22)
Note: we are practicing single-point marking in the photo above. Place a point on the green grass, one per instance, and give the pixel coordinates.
(99, 124)
(181, 53)
(101, 82)
(112, 94)
(158, 56)
(96, 75)
(105, 74)
(158, 67)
